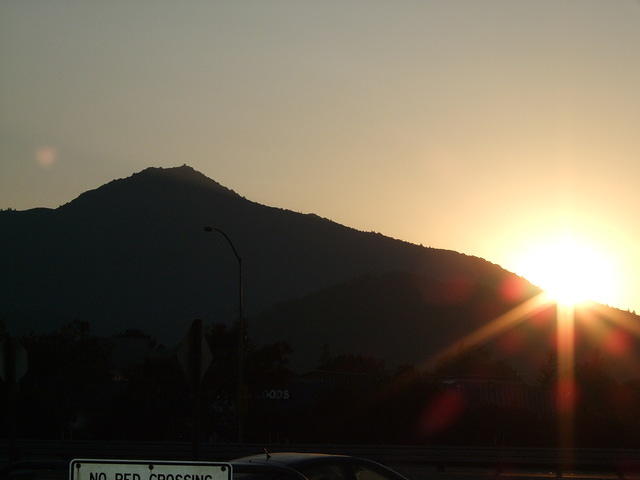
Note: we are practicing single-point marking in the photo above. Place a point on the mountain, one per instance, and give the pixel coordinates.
(400, 316)
(412, 319)
(132, 254)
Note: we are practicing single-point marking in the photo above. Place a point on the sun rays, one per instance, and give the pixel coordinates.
(609, 328)
(566, 382)
(497, 326)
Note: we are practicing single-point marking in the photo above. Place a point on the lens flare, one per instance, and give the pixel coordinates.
(442, 412)
(46, 156)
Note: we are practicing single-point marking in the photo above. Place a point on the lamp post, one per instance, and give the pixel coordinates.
(241, 336)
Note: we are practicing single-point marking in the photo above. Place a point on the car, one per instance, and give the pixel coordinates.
(310, 466)
(35, 470)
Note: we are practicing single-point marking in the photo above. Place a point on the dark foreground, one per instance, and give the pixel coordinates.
(437, 463)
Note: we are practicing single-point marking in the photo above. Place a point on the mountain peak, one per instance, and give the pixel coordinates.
(183, 173)
(153, 181)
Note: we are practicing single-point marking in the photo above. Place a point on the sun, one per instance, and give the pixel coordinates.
(570, 270)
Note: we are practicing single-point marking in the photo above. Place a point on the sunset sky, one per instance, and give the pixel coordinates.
(488, 127)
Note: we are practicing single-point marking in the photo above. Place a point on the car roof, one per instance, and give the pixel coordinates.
(286, 458)
(52, 469)
(297, 462)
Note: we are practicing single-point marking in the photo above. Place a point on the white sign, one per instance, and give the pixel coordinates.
(85, 469)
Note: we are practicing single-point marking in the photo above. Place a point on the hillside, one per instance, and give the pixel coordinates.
(407, 319)
(133, 254)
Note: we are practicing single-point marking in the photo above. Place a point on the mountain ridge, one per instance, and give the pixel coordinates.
(133, 254)
(183, 174)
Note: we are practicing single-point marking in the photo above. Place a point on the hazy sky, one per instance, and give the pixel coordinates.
(480, 126)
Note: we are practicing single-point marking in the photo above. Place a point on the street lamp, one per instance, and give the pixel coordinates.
(241, 335)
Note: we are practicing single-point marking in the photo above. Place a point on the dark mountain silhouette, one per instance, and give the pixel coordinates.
(411, 318)
(403, 316)
(132, 254)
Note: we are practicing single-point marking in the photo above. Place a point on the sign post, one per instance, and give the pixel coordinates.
(195, 357)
